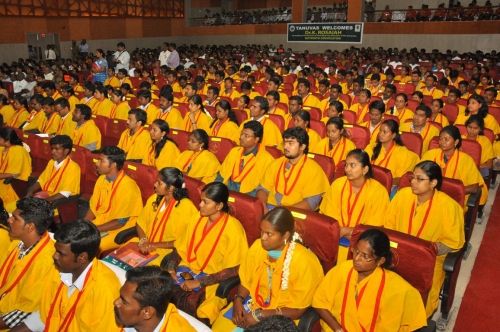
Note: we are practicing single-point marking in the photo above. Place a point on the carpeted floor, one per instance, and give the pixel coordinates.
(480, 308)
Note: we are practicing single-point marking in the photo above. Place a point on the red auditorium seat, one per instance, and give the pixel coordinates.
(180, 137)
(102, 123)
(495, 112)
(359, 135)
(274, 151)
(220, 147)
(183, 108)
(114, 130)
(450, 111)
(278, 120)
(40, 152)
(326, 164)
(241, 116)
(346, 99)
(412, 104)
(349, 116)
(194, 187)
(144, 176)
(315, 112)
(413, 258)
(319, 127)
(413, 142)
(249, 211)
(320, 234)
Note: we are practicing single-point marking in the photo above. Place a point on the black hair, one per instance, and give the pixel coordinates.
(274, 94)
(405, 97)
(338, 105)
(140, 115)
(363, 158)
(262, 101)
(299, 134)
(380, 244)
(85, 110)
(48, 101)
(63, 102)
(154, 288)
(102, 89)
(246, 99)
(36, 211)
(82, 236)
(63, 140)
(144, 93)
(89, 86)
(256, 127)
(477, 119)
(296, 98)
(338, 122)
(419, 94)
(426, 109)
(454, 133)
(219, 193)
(304, 81)
(305, 116)
(214, 89)
(281, 219)
(338, 87)
(226, 106)
(394, 128)
(10, 135)
(164, 127)
(378, 105)
(245, 85)
(483, 109)
(171, 176)
(201, 136)
(366, 92)
(21, 100)
(114, 155)
(432, 170)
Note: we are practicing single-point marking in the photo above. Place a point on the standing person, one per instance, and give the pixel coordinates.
(93, 286)
(121, 57)
(164, 54)
(100, 67)
(50, 54)
(28, 261)
(83, 49)
(173, 60)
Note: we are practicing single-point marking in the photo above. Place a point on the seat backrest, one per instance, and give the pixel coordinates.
(413, 142)
(274, 151)
(180, 137)
(249, 211)
(144, 176)
(314, 112)
(83, 158)
(194, 187)
(346, 99)
(211, 110)
(488, 133)
(102, 123)
(319, 127)
(495, 112)
(320, 234)
(326, 163)
(278, 120)
(220, 147)
(452, 187)
(349, 116)
(473, 149)
(114, 131)
(450, 111)
(241, 116)
(39, 150)
(412, 258)
(412, 104)
(360, 136)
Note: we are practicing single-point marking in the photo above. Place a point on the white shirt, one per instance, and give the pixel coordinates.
(19, 85)
(164, 57)
(157, 328)
(50, 54)
(173, 59)
(123, 58)
(49, 76)
(34, 321)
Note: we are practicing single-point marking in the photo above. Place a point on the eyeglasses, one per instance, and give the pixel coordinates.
(365, 257)
(417, 178)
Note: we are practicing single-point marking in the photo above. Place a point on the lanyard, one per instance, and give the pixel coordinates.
(412, 215)
(193, 251)
(387, 156)
(281, 171)
(191, 160)
(358, 300)
(163, 221)
(114, 187)
(244, 170)
(350, 208)
(54, 174)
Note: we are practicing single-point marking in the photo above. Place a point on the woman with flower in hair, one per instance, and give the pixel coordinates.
(165, 216)
(278, 276)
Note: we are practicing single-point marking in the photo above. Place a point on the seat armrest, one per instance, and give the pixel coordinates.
(451, 260)
(308, 320)
(473, 199)
(225, 287)
(65, 200)
(125, 235)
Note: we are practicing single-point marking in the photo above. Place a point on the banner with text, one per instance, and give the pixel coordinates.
(325, 32)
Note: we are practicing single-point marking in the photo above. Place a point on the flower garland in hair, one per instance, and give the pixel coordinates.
(288, 260)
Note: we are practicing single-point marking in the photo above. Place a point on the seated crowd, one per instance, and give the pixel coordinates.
(292, 140)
